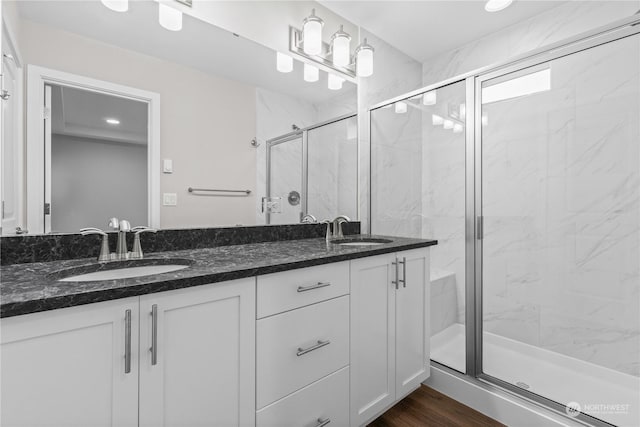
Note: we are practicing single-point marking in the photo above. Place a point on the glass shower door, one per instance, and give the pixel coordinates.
(561, 224)
(284, 204)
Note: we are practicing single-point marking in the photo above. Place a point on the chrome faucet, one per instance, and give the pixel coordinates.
(308, 219)
(137, 248)
(327, 235)
(122, 226)
(104, 249)
(337, 226)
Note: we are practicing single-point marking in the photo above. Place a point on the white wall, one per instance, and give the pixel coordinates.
(207, 122)
(91, 178)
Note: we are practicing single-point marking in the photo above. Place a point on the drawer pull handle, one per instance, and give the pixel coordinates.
(312, 287)
(154, 334)
(322, 423)
(127, 341)
(302, 351)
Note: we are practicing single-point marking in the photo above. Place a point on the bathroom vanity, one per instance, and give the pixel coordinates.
(298, 332)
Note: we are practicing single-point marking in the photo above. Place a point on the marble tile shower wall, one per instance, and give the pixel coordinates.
(561, 193)
(275, 114)
(596, 316)
(567, 20)
(396, 73)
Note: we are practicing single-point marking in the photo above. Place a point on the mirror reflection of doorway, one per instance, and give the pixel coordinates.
(96, 155)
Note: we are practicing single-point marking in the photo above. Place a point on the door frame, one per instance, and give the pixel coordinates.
(37, 78)
(8, 38)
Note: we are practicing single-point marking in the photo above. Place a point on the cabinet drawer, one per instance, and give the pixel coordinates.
(327, 399)
(292, 289)
(290, 350)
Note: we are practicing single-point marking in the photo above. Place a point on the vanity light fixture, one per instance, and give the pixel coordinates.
(447, 124)
(117, 5)
(335, 82)
(311, 73)
(169, 18)
(497, 5)
(457, 128)
(112, 121)
(429, 98)
(436, 120)
(340, 45)
(334, 56)
(284, 63)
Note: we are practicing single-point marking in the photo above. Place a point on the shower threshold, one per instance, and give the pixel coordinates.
(553, 375)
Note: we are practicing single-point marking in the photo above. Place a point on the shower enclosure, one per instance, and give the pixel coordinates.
(528, 174)
(313, 171)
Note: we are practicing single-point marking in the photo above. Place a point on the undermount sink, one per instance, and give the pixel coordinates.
(364, 241)
(121, 270)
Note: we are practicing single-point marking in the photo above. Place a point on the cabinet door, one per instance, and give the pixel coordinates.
(204, 370)
(372, 337)
(68, 367)
(412, 322)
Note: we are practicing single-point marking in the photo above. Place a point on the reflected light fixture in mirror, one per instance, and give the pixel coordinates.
(436, 120)
(457, 128)
(312, 34)
(341, 49)
(112, 121)
(169, 18)
(335, 82)
(284, 63)
(311, 73)
(117, 5)
(429, 98)
(401, 107)
(497, 5)
(447, 124)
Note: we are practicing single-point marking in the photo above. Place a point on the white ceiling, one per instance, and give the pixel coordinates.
(424, 29)
(199, 45)
(82, 113)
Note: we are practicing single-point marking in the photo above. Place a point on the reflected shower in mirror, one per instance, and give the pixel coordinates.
(208, 94)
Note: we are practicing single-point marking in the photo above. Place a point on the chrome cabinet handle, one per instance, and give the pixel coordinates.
(154, 334)
(404, 272)
(312, 287)
(395, 282)
(322, 423)
(302, 351)
(127, 341)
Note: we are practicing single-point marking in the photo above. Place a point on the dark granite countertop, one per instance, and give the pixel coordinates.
(33, 287)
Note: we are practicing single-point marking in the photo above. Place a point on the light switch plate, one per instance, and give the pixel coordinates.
(169, 199)
(167, 166)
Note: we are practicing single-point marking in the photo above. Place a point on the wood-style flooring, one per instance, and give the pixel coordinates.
(427, 407)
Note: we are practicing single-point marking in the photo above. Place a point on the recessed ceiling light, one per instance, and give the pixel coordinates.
(497, 5)
(112, 121)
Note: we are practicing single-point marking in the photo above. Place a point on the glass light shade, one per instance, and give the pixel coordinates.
(497, 5)
(436, 120)
(463, 112)
(447, 124)
(284, 63)
(311, 73)
(485, 119)
(169, 18)
(401, 107)
(117, 5)
(335, 82)
(457, 128)
(312, 34)
(341, 47)
(429, 98)
(364, 60)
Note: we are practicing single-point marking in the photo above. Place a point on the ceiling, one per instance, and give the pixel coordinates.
(424, 29)
(199, 45)
(82, 113)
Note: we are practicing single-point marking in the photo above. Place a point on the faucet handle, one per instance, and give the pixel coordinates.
(137, 247)
(114, 223)
(104, 248)
(124, 225)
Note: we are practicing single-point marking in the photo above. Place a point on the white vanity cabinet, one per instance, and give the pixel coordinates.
(302, 335)
(93, 365)
(197, 356)
(72, 367)
(389, 330)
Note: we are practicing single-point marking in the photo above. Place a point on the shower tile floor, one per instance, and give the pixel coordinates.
(558, 377)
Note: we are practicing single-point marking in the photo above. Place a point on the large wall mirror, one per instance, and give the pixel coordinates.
(109, 114)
